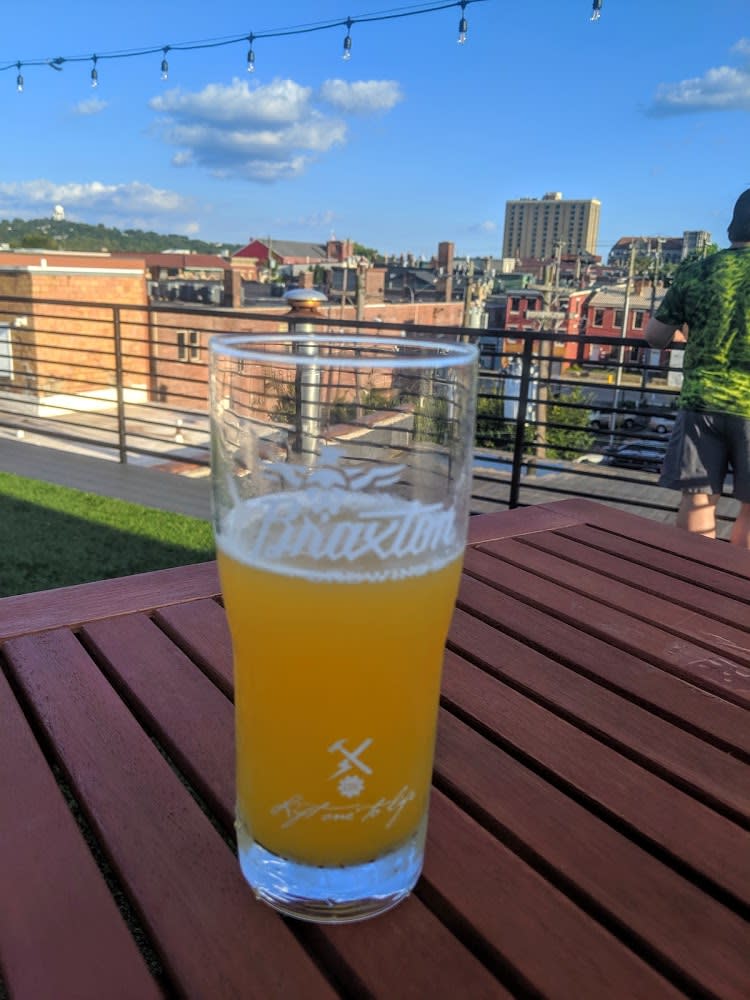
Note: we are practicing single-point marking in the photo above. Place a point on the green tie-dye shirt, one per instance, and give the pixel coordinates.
(712, 296)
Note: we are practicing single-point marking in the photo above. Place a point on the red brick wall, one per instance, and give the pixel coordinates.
(69, 347)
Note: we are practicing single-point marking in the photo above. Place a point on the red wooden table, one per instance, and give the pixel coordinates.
(589, 824)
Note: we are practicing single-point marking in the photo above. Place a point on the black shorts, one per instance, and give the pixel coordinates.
(702, 450)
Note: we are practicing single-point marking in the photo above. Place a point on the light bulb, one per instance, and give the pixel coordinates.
(463, 24)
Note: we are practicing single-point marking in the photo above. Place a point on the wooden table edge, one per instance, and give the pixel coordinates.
(86, 602)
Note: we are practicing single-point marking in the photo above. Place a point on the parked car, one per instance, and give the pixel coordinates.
(647, 455)
(601, 420)
(662, 423)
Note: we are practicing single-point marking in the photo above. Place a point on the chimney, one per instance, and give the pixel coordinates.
(445, 256)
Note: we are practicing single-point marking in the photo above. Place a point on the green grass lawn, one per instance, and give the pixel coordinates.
(53, 536)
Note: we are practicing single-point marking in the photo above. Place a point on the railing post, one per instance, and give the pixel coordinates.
(520, 439)
(304, 304)
(122, 444)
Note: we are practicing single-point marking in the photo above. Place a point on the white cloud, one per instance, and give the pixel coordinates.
(239, 105)
(94, 106)
(488, 226)
(262, 132)
(130, 205)
(723, 88)
(363, 96)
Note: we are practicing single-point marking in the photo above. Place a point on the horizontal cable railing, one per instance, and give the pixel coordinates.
(557, 415)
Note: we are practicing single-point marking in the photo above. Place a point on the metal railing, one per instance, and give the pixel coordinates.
(130, 383)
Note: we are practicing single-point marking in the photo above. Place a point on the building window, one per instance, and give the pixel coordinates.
(6, 352)
(618, 317)
(638, 319)
(598, 317)
(188, 345)
(515, 304)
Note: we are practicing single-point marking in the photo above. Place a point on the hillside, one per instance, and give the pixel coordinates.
(54, 234)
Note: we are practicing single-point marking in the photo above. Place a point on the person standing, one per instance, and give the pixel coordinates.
(709, 300)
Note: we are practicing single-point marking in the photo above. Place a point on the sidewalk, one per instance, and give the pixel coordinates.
(148, 487)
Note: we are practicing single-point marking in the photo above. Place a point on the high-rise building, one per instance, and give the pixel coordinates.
(534, 227)
(694, 240)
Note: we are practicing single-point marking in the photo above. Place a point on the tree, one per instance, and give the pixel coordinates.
(363, 251)
(709, 249)
(568, 433)
(492, 430)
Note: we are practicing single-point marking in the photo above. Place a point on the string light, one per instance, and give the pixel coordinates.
(416, 10)
(463, 25)
(596, 11)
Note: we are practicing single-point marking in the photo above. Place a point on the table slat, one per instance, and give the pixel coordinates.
(76, 944)
(669, 818)
(213, 937)
(666, 537)
(635, 602)
(711, 774)
(555, 949)
(695, 709)
(708, 579)
(615, 878)
(704, 667)
(409, 953)
(188, 714)
(201, 630)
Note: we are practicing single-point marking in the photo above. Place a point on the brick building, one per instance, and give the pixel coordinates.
(74, 326)
(42, 324)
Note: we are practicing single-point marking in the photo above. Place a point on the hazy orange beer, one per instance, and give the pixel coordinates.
(339, 563)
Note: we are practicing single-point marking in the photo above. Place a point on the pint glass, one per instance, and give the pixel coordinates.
(341, 477)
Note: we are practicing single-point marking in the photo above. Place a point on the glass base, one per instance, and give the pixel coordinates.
(334, 895)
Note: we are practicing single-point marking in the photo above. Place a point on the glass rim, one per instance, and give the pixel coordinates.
(433, 353)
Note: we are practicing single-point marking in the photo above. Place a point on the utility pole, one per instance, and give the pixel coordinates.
(656, 272)
(361, 289)
(621, 351)
(550, 298)
(648, 353)
(468, 292)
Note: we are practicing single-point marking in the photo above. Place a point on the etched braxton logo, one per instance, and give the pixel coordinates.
(329, 472)
(327, 514)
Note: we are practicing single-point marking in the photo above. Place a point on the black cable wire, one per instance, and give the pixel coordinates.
(57, 62)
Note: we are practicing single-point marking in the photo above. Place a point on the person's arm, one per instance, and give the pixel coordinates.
(659, 334)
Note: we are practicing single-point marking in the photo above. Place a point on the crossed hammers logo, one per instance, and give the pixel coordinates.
(349, 758)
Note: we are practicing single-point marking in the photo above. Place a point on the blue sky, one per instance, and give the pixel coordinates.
(414, 140)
